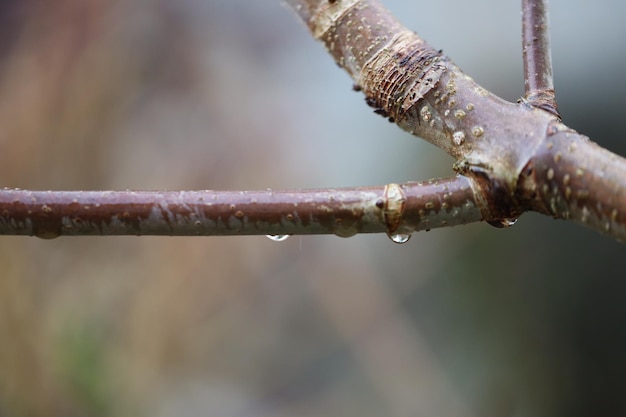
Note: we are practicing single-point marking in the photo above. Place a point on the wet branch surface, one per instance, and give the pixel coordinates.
(519, 154)
(395, 209)
(510, 157)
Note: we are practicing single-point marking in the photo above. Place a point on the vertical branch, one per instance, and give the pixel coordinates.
(537, 61)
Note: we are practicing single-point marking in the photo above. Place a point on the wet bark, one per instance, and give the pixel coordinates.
(510, 157)
(519, 155)
(395, 209)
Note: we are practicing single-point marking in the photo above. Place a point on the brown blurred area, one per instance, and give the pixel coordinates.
(156, 94)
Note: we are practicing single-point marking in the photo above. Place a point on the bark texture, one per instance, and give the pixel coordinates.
(514, 152)
(510, 157)
(395, 209)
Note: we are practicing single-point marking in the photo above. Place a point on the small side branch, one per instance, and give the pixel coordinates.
(537, 60)
(395, 209)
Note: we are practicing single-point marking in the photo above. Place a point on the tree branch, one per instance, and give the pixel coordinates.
(573, 178)
(510, 150)
(510, 158)
(536, 52)
(397, 210)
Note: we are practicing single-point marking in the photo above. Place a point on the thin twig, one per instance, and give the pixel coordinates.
(397, 210)
(537, 60)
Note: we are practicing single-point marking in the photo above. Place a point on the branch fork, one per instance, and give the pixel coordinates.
(510, 157)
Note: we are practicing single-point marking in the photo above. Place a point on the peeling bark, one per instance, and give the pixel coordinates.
(510, 157)
(502, 146)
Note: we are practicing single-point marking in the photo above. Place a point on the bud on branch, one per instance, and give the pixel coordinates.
(393, 209)
(519, 154)
(510, 157)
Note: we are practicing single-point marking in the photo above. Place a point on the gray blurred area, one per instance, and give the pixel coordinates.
(157, 94)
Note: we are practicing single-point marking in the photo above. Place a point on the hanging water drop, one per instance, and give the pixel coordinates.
(399, 237)
(503, 223)
(43, 233)
(47, 236)
(277, 238)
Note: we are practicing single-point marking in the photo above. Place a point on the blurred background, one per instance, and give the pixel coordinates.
(157, 94)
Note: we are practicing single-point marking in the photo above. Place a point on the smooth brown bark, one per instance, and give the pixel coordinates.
(537, 60)
(395, 209)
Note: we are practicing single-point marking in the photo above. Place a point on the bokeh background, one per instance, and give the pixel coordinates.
(159, 94)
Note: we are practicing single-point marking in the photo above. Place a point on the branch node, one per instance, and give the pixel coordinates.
(393, 206)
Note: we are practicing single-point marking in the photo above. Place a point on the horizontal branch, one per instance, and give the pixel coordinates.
(393, 209)
(510, 158)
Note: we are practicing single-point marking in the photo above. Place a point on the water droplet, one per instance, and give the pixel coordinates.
(277, 238)
(399, 237)
(503, 223)
(47, 234)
